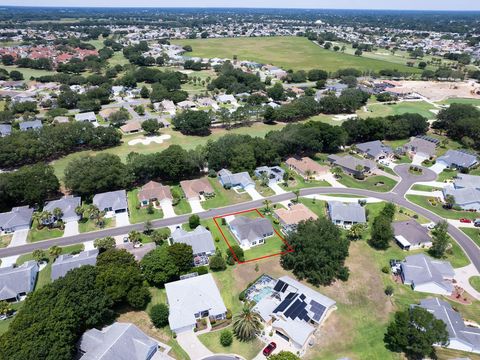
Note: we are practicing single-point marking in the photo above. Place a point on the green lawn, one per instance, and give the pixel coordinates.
(265, 191)
(287, 52)
(317, 206)
(5, 240)
(85, 225)
(246, 349)
(446, 174)
(474, 234)
(28, 73)
(300, 183)
(183, 207)
(461, 101)
(380, 109)
(475, 282)
(223, 197)
(373, 183)
(141, 214)
(423, 188)
(439, 210)
(36, 234)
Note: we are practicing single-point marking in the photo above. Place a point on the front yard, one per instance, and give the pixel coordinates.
(436, 207)
(36, 234)
(140, 214)
(246, 349)
(87, 225)
(5, 240)
(223, 197)
(299, 183)
(474, 234)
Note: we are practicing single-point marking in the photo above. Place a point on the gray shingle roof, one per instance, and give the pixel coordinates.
(199, 239)
(116, 200)
(33, 124)
(463, 196)
(18, 217)
(17, 280)
(119, 341)
(67, 204)
(412, 231)
(420, 269)
(5, 129)
(350, 163)
(455, 158)
(65, 263)
(88, 116)
(374, 148)
(457, 330)
(242, 179)
(467, 181)
(251, 229)
(351, 212)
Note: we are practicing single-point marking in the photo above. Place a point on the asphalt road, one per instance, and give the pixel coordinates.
(396, 196)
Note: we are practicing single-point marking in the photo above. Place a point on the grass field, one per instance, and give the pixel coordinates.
(439, 210)
(246, 349)
(296, 53)
(88, 225)
(417, 107)
(140, 215)
(475, 282)
(223, 197)
(474, 234)
(28, 73)
(373, 183)
(38, 235)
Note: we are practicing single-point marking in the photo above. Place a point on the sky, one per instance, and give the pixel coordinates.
(322, 4)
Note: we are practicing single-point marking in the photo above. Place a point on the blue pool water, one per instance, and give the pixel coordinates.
(264, 292)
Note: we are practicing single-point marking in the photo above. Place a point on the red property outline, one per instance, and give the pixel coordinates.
(290, 249)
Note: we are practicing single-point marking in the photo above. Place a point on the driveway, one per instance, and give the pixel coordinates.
(121, 219)
(463, 274)
(196, 206)
(418, 159)
(19, 238)
(437, 168)
(192, 346)
(167, 209)
(8, 261)
(332, 180)
(276, 188)
(71, 228)
(253, 193)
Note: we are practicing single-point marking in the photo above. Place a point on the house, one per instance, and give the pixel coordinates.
(273, 173)
(352, 165)
(193, 298)
(456, 159)
(429, 275)
(461, 336)
(131, 127)
(289, 218)
(88, 116)
(293, 312)
(154, 191)
(167, 106)
(306, 167)
(375, 150)
(68, 206)
(107, 112)
(197, 189)
(208, 102)
(226, 99)
(199, 239)
(137, 250)
(112, 202)
(66, 262)
(5, 130)
(250, 232)
(17, 281)
(120, 341)
(229, 180)
(30, 125)
(346, 214)
(61, 119)
(421, 145)
(465, 191)
(187, 104)
(410, 235)
(19, 218)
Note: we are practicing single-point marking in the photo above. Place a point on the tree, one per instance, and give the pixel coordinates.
(217, 263)
(104, 244)
(226, 338)
(284, 355)
(54, 251)
(296, 192)
(440, 240)
(151, 126)
(320, 252)
(276, 92)
(5, 308)
(159, 237)
(239, 254)
(192, 122)
(39, 255)
(267, 204)
(355, 232)
(158, 267)
(193, 221)
(414, 332)
(381, 233)
(247, 324)
(159, 315)
(144, 92)
(16, 75)
(182, 256)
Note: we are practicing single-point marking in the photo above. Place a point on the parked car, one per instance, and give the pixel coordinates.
(431, 226)
(269, 349)
(476, 223)
(465, 220)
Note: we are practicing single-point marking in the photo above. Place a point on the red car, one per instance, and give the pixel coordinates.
(269, 349)
(466, 221)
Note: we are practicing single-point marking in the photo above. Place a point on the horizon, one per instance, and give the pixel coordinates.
(425, 5)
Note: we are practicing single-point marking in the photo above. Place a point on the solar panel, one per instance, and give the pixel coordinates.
(302, 297)
(317, 317)
(297, 307)
(278, 285)
(293, 308)
(283, 305)
(284, 287)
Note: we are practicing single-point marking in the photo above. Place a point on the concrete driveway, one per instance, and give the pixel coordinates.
(276, 188)
(121, 219)
(71, 228)
(418, 159)
(19, 238)
(192, 346)
(438, 168)
(196, 205)
(167, 209)
(253, 193)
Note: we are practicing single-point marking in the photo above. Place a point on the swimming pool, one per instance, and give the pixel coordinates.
(262, 293)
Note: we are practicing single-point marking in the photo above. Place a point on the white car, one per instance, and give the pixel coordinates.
(431, 226)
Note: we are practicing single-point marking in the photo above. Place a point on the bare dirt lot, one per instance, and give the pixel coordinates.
(437, 91)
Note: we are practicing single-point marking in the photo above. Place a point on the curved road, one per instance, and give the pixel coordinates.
(396, 196)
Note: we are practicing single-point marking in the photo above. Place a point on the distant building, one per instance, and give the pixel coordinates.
(346, 214)
(68, 205)
(64, 263)
(5, 130)
(465, 191)
(19, 218)
(422, 146)
(429, 275)
(274, 173)
(120, 341)
(197, 189)
(17, 281)
(30, 125)
(199, 239)
(88, 116)
(154, 191)
(191, 299)
(131, 127)
(375, 150)
(456, 159)
(352, 165)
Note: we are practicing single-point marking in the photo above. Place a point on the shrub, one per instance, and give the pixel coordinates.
(386, 269)
(241, 296)
(226, 338)
(217, 263)
(159, 315)
(389, 290)
(202, 270)
(228, 315)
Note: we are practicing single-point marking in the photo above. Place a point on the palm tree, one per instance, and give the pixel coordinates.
(55, 251)
(46, 217)
(267, 204)
(264, 180)
(247, 324)
(297, 194)
(57, 213)
(337, 171)
(308, 174)
(5, 308)
(355, 232)
(96, 215)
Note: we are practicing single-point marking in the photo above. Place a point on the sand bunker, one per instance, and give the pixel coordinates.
(148, 140)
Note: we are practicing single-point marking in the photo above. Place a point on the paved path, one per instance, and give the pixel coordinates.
(193, 347)
(196, 206)
(71, 228)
